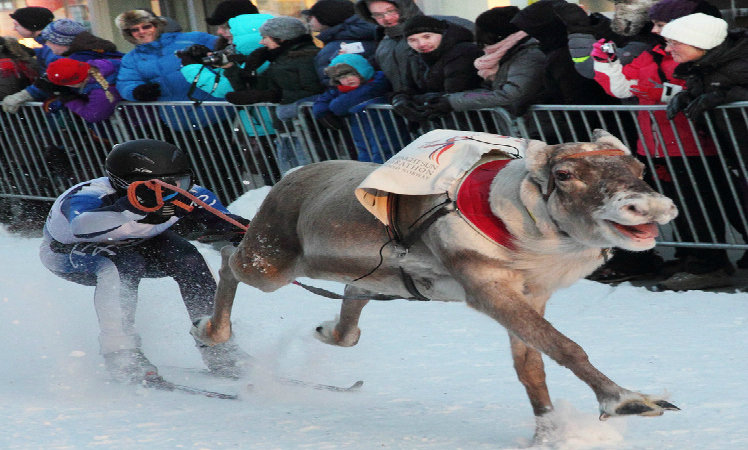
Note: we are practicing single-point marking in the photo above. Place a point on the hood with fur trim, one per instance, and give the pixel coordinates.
(129, 19)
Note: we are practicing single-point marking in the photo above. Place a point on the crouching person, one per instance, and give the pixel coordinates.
(96, 235)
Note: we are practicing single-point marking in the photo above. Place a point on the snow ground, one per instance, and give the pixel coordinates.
(437, 375)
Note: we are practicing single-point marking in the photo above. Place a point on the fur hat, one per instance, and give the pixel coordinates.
(33, 18)
(67, 72)
(667, 10)
(62, 31)
(330, 12)
(230, 9)
(129, 19)
(424, 24)
(283, 28)
(348, 63)
(495, 24)
(698, 30)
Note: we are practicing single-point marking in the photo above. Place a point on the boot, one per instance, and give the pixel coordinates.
(129, 366)
(225, 360)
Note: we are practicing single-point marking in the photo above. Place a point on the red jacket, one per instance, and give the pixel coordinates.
(643, 78)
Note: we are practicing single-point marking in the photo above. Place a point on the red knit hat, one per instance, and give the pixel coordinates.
(67, 72)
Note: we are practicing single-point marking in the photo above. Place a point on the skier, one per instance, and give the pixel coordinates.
(95, 236)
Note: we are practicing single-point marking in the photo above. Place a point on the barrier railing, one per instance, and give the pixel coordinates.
(235, 149)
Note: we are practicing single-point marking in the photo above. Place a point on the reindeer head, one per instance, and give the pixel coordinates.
(595, 193)
(630, 16)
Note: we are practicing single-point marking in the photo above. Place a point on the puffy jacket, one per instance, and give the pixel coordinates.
(368, 130)
(643, 79)
(156, 62)
(449, 68)
(353, 29)
(516, 86)
(292, 71)
(96, 106)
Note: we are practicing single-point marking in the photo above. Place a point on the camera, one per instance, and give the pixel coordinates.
(609, 48)
(219, 58)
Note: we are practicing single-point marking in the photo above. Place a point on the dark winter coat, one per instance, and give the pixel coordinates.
(393, 55)
(17, 69)
(449, 68)
(353, 29)
(516, 86)
(291, 73)
(369, 133)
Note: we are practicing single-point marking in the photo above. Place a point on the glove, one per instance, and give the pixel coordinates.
(12, 102)
(252, 96)
(704, 102)
(330, 121)
(43, 83)
(677, 104)
(404, 105)
(573, 16)
(598, 54)
(193, 54)
(147, 92)
(253, 60)
(438, 107)
(425, 99)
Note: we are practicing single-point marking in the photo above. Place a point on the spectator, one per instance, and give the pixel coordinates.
(341, 30)
(223, 12)
(17, 66)
(64, 38)
(357, 85)
(649, 79)
(393, 55)
(94, 97)
(29, 23)
(150, 71)
(511, 68)
(291, 77)
(95, 235)
(443, 64)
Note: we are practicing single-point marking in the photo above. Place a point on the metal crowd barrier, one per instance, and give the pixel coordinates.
(235, 149)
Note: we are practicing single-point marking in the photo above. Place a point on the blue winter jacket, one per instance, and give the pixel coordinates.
(353, 29)
(156, 62)
(371, 130)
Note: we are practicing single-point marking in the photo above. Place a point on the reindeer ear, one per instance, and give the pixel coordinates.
(537, 155)
(603, 137)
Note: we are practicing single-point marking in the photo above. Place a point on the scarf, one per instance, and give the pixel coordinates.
(488, 64)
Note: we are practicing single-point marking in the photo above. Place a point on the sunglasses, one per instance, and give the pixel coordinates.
(144, 27)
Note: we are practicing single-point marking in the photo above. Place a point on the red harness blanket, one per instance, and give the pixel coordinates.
(473, 202)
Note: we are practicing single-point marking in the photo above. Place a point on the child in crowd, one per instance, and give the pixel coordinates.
(93, 95)
(355, 86)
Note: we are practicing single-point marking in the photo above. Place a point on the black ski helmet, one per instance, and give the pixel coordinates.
(145, 159)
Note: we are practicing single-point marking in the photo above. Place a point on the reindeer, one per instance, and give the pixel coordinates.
(563, 206)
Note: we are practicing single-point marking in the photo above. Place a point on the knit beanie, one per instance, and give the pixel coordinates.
(495, 24)
(67, 72)
(667, 10)
(348, 63)
(698, 30)
(62, 31)
(283, 28)
(330, 12)
(129, 19)
(424, 24)
(230, 9)
(33, 18)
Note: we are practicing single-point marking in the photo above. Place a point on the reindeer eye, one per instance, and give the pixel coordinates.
(563, 175)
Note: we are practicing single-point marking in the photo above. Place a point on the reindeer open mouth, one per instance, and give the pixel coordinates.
(639, 232)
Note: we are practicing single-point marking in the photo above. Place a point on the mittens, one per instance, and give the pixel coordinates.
(330, 121)
(600, 55)
(13, 102)
(147, 92)
(703, 103)
(251, 96)
(677, 104)
(404, 105)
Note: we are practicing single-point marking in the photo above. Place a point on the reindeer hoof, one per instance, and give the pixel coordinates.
(642, 406)
(328, 333)
(203, 331)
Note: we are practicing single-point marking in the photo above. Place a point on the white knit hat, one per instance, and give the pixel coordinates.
(699, 30)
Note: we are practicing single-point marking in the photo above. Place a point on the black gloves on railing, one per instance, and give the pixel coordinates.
(330, 121)
(147, 92)
(251, 96)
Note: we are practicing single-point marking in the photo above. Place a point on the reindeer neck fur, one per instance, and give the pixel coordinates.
(547, 254)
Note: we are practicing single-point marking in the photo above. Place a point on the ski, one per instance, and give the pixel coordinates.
(157, 382)
(322, 387)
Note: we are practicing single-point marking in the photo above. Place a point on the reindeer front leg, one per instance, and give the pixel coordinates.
(510, 309)
(344, 331)
(217, 328)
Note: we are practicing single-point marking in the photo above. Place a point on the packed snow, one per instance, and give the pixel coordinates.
(436, 375)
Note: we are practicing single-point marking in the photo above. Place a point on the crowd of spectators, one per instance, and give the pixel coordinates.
(426, 67)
